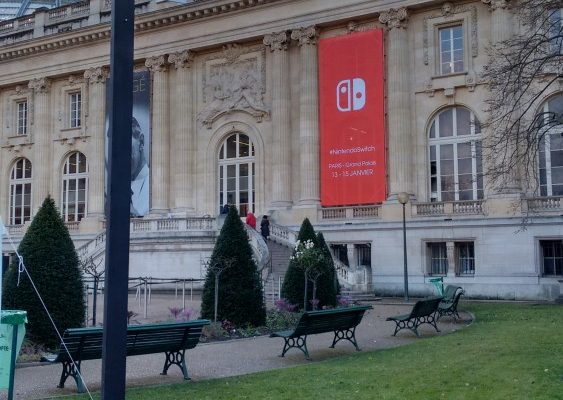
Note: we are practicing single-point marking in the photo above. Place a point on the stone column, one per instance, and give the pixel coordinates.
(309, 116)
(450, 253)
(501, 29)
(96, 79)
(398, 103)
(160, 133)
(182, 151)
(41, 163)
(281, 120)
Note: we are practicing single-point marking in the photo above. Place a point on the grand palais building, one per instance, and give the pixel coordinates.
(343, 111)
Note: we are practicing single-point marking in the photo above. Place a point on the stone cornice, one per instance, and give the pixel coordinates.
(394, 18)
(177, 15)
(96, 75)
(308, 35)
(181, 59)
(156, 64)
(40, 85)
(278, 41)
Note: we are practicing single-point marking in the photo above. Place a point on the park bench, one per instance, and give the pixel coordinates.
(172, 338)
(341, 321)
(448, 305)
(423, 312)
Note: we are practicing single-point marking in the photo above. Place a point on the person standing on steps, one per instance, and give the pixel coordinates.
(265, 227)
(251, 220)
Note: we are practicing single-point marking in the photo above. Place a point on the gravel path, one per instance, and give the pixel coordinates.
(226, 358)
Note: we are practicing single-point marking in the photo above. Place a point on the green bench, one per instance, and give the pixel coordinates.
(341, 321)
(448, 305)
(423, 312)
(173, 339)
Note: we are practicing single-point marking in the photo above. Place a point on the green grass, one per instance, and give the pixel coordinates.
(511, 351)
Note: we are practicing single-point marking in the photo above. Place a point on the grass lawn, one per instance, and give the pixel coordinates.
(512, 351)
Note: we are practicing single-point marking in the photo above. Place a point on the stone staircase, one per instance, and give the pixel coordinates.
(279, 261)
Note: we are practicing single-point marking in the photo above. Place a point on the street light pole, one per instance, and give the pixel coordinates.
(404, 199)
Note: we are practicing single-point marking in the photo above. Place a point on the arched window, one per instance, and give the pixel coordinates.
(237, 173)
(75, 187)
(551, 147)
(456, 171)
(20, 192)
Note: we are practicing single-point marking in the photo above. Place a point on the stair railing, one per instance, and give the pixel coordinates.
(260, 251)
(282, 235)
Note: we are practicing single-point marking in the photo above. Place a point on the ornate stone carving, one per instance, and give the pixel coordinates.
(96, 75)
(496, 4)
(156, 64)
(277, 41)
(40, 85)
(234, 82)
(395, 18)
(471, 81)
(232, 52)
(307, 35)
(181, 59)
(448, 10)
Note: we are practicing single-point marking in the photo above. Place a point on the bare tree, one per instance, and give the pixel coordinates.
(217, 266)
(96, 271)
(523, 70)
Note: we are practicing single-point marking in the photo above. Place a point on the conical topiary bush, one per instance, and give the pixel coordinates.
(240, 288)
(51, 260)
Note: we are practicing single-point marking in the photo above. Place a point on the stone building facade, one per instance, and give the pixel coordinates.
(234, 118)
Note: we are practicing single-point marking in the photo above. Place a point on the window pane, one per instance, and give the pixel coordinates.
(463, 117)
(446, 123)
(232, 146)
(244, 146)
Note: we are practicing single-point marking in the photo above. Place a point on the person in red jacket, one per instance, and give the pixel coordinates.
(251, 220)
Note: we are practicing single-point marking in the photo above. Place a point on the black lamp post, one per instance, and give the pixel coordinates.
(404, 199)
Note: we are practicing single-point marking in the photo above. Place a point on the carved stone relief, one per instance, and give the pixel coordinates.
(395, 18)
(233, 81)
(181, 59)
(449, 10)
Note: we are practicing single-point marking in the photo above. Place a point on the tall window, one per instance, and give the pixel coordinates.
(556, 30)
(237, 173)
(75, 187)
(552, 257)
(551, 148)
(21, 120)
(20, 192)
(465, 258)
(451, 49)
(75, 102)
(438, 258)
(456, 171)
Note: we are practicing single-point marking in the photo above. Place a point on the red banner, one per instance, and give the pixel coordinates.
(352, 119)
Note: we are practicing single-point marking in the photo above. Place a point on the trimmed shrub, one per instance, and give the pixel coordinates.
(240, 287)
(294, 282)
(51, 261)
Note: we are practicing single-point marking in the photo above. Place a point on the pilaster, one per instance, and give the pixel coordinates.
(42, 151)
(501, 30)
(96, 79)
(160, 132)
(182, 153)
(281, 120)
(399, 100)
(309, 116)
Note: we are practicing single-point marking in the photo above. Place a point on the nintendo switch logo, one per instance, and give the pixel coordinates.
(351, 95)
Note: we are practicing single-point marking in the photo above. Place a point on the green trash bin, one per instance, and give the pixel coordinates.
(12, 332)
(438, 285)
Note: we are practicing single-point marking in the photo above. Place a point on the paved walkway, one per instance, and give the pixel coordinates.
(226, 358)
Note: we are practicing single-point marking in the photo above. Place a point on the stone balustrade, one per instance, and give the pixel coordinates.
(470, 207)
(539, 204)
(357, 212)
